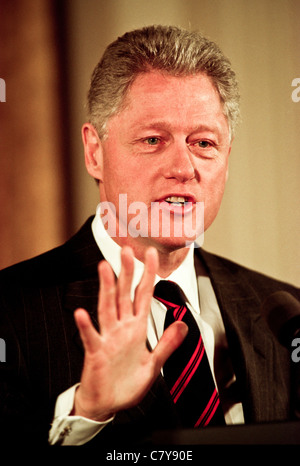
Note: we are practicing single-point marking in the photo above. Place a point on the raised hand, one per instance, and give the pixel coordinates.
(118, 368)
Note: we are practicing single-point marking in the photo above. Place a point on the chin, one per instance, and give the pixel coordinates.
(172, 244)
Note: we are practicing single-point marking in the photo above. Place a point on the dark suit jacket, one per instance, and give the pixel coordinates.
(44, 354)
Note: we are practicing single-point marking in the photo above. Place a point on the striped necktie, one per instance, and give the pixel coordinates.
(187, 371)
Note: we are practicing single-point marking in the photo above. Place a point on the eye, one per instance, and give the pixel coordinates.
(152, 141)
(204, 148)
(204, 144)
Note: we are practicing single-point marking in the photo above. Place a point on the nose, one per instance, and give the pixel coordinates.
(179, 163)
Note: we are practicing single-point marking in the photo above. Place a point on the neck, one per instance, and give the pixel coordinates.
(169, 258)
(168, 262)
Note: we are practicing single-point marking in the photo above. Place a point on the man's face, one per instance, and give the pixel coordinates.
(169, 144)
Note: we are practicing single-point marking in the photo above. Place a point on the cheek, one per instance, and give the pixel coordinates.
(214, 179)
(114, 170)
(121, 176)
(213, 194)
(217, 187)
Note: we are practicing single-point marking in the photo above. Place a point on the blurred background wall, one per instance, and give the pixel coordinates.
(48, 50)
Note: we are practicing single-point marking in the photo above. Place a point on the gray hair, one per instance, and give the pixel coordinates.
(165, 48)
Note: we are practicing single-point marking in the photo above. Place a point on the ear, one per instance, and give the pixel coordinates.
(227, 172)
(92, 151)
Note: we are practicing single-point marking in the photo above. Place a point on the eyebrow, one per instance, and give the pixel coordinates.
(167, 126)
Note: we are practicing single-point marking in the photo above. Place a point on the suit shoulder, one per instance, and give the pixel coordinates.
(259, 281)
(36, 269)
(69, 261)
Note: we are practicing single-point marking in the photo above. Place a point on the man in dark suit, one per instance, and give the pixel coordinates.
(163, 106)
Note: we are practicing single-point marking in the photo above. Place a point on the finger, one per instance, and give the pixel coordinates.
(107, 307)
(124, 283)
(88, 333)
(144, 291)
(171, 339)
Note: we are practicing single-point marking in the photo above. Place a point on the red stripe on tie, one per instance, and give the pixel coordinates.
(180, 312)
(210, 410)
(167, 303)
(188, 372)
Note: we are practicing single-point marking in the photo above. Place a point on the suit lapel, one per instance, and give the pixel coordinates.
(82, 288)
(248, 340)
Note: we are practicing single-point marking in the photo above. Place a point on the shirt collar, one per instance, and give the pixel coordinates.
(184, 275)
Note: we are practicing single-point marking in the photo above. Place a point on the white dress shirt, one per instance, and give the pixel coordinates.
(70, 430)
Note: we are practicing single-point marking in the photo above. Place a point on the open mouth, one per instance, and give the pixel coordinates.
(176, 200)
(179, 200)
(177, 204)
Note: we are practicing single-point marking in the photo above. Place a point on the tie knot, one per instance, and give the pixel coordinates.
(169, 292)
